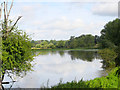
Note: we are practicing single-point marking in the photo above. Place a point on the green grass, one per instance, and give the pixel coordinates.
(110, 81)
(64, 49)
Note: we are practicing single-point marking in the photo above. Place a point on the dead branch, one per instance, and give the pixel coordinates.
(10, 9)
(1, 11)
(15, 23)
(6, 7)
(4, 12)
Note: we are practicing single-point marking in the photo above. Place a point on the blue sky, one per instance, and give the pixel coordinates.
(60, 20)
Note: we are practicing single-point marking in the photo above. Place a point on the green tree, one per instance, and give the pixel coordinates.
(111, 31)
(81, 41)
(60, 44)
(108, 55)
(16, 52)
(51, 45)
(44, 44)
(53, 41)
(38, 46)
(16, 46)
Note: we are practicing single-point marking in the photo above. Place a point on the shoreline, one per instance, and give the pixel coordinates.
(67, 49)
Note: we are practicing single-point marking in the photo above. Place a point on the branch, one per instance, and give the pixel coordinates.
(4, 12)
(1, 11)
(5, 82)
(7, 7)
(10, 9)
(5, 19)
(15, 23)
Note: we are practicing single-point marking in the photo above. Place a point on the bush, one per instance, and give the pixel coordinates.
(108, 55)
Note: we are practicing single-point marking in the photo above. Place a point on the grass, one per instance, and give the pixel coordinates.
(64, 49)
(110, 81)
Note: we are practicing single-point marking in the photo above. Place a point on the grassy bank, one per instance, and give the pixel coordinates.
(65, 49)
(110, 81)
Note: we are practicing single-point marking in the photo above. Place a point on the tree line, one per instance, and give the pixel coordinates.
(83, 41)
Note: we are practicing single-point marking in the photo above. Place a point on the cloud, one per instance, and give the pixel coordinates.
(64, 28)
(63, 24)
(56, 21)
(105, 9)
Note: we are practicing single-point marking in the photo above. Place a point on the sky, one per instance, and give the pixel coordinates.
(58, 20)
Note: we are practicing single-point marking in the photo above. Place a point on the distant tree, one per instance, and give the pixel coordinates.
(81, 41)
(51, 45)
(38, 46)
(44, 44)
(97, 39)
(32, 43)
(60, 44)
(53, 41)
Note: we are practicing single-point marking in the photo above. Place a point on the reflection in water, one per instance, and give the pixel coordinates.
(61, 53)
(68, 65)
(80, 55)
(84, 55)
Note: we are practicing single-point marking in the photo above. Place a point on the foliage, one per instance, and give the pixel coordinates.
(44, 44)
(111, 33)
(110, 81)
(83, 41)
(83, 55)
(108, 55)
(60, 44)
(104, 43)
(16, 54)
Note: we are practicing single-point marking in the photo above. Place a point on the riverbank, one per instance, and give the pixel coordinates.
(110, 81)
(66, 49)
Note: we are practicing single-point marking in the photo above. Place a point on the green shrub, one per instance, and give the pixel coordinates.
(108, 55)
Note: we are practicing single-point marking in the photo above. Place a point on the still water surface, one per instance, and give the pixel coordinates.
(52, 66)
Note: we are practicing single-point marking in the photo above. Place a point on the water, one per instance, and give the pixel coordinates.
(51, 67)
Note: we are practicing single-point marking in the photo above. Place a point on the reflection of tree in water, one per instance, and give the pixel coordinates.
(45, 52)
(38, 52)
(61, 53)
(84, 55)
(53, 52)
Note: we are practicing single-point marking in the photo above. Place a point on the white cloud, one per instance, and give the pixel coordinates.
(63, 24)
(64, 29)
(106, 9)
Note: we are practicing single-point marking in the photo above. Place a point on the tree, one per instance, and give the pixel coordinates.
(81, 41)
(16, 46)
(38, 46)
(51, 45)
(111, 32)
(60, 44)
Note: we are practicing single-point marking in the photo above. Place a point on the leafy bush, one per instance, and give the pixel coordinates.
(16, 54)
(108, 55)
